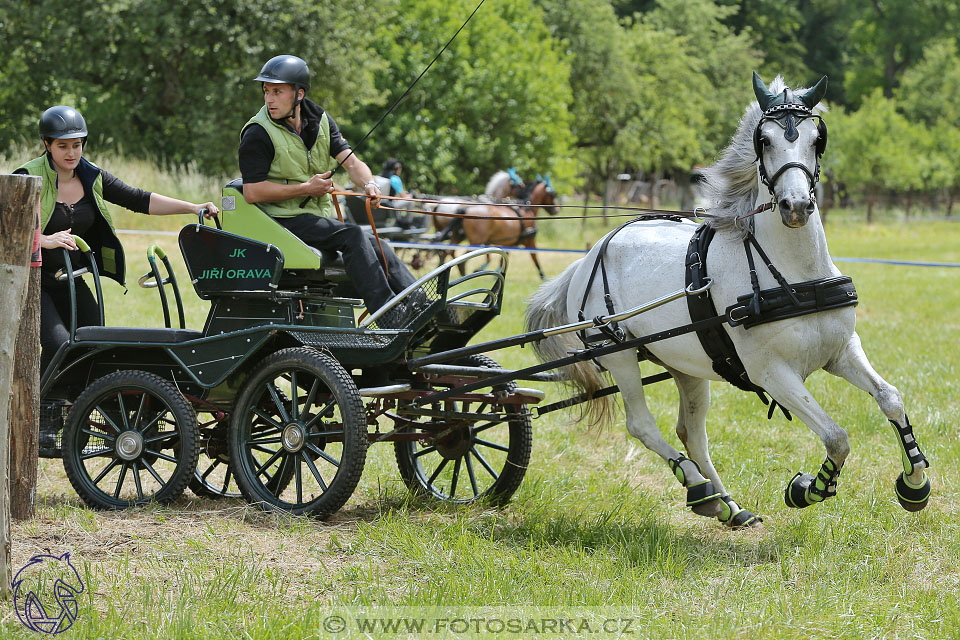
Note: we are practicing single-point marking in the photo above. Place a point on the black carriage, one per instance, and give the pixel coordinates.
(280, 393)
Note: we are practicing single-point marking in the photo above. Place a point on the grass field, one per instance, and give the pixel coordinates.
(596, 542)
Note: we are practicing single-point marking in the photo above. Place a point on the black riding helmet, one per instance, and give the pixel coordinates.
(286, 70)
(62, 123)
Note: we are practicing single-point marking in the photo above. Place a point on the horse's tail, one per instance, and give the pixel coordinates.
(547, 307)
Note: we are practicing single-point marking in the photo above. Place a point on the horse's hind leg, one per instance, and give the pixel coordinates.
(692, 431)
(783, 384)
(913, 485)
(702, 496)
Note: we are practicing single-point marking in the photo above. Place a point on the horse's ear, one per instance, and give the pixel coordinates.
(764, 96)
(812, 97)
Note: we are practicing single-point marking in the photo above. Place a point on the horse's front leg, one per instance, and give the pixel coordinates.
(786, 387)
(913, 485)
(530, 243)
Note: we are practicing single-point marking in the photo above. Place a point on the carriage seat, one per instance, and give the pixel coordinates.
(250, 220)
(135, 335)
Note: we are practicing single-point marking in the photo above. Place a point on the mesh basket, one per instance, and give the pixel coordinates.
(53, 415)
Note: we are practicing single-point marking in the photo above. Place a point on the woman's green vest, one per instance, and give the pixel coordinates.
(293, 163)
(102, 237)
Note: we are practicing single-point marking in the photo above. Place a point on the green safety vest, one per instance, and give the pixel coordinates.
(102, 236)
(293, 163)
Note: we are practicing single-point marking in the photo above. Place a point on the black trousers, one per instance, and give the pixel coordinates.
(55, 317)
(361, 256)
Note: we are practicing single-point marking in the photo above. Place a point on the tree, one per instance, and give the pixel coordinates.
(875, 148)
(497, 97)
(172, 81)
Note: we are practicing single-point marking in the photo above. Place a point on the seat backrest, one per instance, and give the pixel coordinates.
(245, 219)
(220, 262)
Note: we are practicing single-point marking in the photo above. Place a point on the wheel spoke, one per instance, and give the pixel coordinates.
(473, 476)
(139, 414)
(294, 396)
(107, 418)
(226, 480)
(456, 475)
(311, 395)
(276, 440)
(209, 470)
(272, 389)
(299, 479)
(97, 454)
(155, 419)
(325, 434)
(437, 472)
(123, 474)
(106, 470)
(99, 434)
(123, 412)
(476, 430)
(492, 445)
(161, 437)
(320, 413)
(262, 449)
(313, 470)
(162, 456)
(277, 488)
(269, 419)
(136, 478)
(423, 451)
(486, 465)
(153, 472)
(323, 454)
(262, 468)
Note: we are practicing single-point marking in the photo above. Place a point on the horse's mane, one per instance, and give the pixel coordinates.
(730, 184)
(495, 188)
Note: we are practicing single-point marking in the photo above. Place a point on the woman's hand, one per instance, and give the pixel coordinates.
(58, 239)
(211, 208)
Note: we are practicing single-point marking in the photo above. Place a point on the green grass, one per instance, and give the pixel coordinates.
(597, 529)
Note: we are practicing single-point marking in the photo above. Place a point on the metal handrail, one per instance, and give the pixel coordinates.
(397, 299)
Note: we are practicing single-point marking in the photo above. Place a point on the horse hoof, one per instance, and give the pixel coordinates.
(913, 498)
(736, 518)
(795, 494)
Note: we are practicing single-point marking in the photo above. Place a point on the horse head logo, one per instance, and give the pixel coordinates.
(45, 593)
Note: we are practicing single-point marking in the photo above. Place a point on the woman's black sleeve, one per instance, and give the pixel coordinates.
(118, 192)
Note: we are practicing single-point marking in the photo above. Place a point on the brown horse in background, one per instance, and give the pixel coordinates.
(505, 225)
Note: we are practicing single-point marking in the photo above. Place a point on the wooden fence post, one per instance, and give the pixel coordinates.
(18, 197)
(25, 398)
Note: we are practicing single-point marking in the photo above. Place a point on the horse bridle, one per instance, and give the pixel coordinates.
(789, 117)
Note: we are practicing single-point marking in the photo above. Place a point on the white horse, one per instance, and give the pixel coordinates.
(503, 186)
(773, 158)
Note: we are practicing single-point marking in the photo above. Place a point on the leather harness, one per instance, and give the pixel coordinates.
(758, 307)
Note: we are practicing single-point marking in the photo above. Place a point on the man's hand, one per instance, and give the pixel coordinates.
(371, 189)
(319, 185)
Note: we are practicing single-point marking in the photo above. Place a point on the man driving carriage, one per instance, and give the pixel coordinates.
(287, 155)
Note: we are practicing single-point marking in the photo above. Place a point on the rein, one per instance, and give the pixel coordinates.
(637, 211)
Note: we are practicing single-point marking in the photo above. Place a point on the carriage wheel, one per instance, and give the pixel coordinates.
(130, 438)
(298, 438)
(470, 459)
(213, 477)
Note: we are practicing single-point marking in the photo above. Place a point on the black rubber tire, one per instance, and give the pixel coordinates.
(318, 374)
(421, 465)
(101, 404)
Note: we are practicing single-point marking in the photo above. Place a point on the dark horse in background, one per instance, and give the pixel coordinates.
(499, 224)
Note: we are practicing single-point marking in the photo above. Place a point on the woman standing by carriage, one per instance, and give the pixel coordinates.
(73, 202)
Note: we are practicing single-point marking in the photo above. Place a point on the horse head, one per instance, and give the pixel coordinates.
(789, 140)
(544, 195)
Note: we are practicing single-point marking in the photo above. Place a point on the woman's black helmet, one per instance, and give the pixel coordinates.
(287, 70)
(62, 123)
